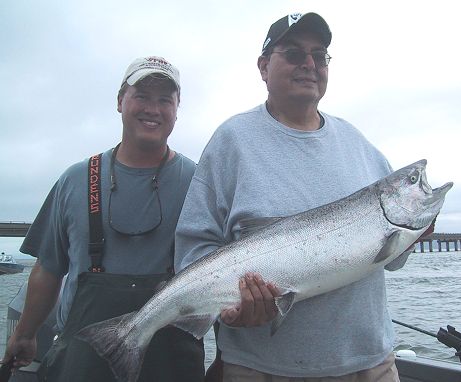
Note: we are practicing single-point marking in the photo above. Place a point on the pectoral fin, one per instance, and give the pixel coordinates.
(197, 325)
(276, 323)
(390, 247)
(283, 304)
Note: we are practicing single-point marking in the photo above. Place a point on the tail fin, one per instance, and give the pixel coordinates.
(111, 340)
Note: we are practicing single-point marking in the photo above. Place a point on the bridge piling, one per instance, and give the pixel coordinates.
(443, 241)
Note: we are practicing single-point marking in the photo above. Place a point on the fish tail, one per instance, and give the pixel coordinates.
(111, 340)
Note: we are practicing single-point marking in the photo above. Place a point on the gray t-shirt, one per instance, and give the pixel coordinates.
(60, 232)
(255, 166)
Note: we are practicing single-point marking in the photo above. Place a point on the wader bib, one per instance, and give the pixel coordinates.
(172, 356)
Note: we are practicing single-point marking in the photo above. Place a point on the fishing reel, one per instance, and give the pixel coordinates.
(451, 338)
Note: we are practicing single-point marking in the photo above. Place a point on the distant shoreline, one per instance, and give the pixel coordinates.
(27, 262)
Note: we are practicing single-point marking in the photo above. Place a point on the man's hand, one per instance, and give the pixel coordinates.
(22, 349)
(42, 292)
(257, 304)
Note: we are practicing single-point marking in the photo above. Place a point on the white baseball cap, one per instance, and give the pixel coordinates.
(145, 66)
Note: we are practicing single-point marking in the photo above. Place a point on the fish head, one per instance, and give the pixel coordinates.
(408, 200)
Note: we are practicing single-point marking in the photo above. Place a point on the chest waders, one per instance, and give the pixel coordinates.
(172, 356)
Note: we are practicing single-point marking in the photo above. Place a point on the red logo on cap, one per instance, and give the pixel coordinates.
(156, 59)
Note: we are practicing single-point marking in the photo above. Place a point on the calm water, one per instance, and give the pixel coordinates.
(425, 293)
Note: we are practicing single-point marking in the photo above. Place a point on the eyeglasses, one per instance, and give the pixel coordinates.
(151, 211)
(120, 223)
(297, 56)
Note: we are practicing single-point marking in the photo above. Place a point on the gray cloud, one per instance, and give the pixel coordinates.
(62, 64)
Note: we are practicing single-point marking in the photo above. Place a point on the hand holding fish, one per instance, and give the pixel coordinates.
(257, 303)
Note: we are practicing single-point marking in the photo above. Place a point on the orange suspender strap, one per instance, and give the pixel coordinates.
(96, 242)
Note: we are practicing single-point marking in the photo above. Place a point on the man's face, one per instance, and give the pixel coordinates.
(148, 112)
(306, 82)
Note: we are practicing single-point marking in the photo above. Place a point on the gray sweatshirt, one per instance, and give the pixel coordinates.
(254, 166)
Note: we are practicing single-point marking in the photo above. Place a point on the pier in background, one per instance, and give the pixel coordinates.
(442, 241)
(14, 229)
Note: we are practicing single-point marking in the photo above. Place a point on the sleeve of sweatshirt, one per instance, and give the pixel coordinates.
(201, 225)
(199, 229)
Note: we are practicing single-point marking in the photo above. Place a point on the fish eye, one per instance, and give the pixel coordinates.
(414, 178)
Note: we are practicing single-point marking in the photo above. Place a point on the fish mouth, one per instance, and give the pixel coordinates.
(408, 201)
(438, 193)
(433, 203)
(433, 196)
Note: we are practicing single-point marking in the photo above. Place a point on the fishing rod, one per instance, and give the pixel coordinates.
(449, 337)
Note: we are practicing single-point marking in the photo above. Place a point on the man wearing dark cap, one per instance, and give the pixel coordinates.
(281, 158)
(108, 223)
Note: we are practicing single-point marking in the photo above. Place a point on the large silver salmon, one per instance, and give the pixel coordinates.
(304, 255)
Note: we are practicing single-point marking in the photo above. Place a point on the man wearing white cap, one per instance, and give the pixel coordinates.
(278, 159)
(109, 224)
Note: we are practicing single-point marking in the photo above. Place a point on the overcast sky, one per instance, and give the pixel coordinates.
(395, 74)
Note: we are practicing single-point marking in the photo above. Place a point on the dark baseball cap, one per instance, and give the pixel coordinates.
(309, 21)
